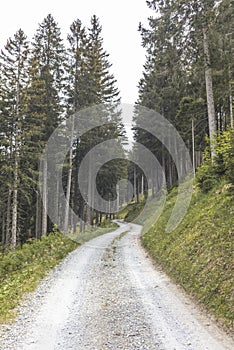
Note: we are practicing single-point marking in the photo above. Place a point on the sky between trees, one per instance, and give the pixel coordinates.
(119, 20)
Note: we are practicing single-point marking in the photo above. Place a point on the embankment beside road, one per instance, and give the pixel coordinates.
(198, 255)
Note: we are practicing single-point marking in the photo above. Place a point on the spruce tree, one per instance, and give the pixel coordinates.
(162, 85)
(49, 52)
(92, 84)
(13, 63)
(33, 142)
(187, 74)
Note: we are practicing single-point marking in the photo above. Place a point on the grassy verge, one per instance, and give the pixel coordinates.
(22, 270)
(198, 255)
(91, 233)
(132, 211)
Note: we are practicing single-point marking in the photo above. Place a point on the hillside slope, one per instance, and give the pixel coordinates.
(198, 255)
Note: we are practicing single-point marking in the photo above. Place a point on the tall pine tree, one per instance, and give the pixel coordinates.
(49, 52)
(14, 61)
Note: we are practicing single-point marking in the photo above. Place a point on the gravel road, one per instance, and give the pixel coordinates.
(108, 295)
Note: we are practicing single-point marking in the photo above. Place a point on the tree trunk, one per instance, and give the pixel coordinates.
(163, 156)
(142, 185)
(8, 218)
(57, 201)
(135, 184)
(138, 190)
(97, 218)
(3, 233)
(117, 209)
(69, 180)
(38, 216)
(231, 98)
(16, 170)
(193, 148)
(209, 92)
(15, 201)
(16, 161)
(44, 197)
(90, 193)
(82, 218)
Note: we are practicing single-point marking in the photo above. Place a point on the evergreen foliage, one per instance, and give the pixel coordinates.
(188, 74)
(41, 84)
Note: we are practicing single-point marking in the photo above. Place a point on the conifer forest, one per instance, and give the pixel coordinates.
(188, 78)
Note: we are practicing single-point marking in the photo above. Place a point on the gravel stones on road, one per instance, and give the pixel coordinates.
(107, 295)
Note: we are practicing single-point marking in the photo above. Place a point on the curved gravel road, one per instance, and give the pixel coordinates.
(108, 295)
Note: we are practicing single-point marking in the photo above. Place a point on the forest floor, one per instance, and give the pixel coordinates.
(107, 294)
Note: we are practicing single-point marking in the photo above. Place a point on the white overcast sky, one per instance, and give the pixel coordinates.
(119, 19)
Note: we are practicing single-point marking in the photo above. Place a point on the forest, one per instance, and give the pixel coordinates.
(188, 78)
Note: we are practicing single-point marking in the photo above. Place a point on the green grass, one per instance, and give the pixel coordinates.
(198, 254)
(144, 213)
(22, 270)
(130, 213)
(91, 233)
